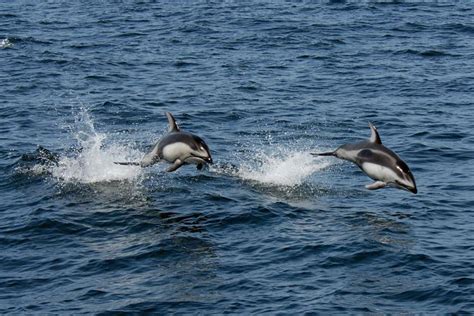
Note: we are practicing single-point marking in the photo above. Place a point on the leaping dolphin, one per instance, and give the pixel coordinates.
(378, 162)
(178, 148)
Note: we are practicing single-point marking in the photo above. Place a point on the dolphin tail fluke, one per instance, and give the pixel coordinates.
(127, 163)
(330, 153)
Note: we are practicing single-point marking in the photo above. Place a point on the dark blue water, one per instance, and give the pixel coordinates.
(268, 228)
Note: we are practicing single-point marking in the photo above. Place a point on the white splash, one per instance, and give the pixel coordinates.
(95, 161)
(5, 43)
(283, 169)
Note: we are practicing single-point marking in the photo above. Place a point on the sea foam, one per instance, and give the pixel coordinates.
(288, 167)
(94, 160)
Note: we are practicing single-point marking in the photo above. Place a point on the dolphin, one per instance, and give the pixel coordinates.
(377, 161)
(177, 147)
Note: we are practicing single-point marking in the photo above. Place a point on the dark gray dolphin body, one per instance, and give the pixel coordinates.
(378, 162)
(178, 148)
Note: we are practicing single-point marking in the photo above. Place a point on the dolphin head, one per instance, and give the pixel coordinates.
(405, 179)
(200, 152)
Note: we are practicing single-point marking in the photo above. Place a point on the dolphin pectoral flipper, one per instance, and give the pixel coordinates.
(199, 166)
(376, 185)
(177, 164)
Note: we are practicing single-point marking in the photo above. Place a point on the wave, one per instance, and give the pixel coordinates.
(424, 53)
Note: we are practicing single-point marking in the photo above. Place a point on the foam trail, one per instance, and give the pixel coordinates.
(95, 162)
(290, 169)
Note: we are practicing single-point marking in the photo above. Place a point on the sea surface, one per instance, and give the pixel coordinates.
(268, 228)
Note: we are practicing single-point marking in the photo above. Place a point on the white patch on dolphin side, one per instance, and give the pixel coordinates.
(349, 155)
(379, 172)
(177, 150)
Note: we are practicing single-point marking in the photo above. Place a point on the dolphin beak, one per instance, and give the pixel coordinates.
(209, 160)
(412, 189)
(409, 187)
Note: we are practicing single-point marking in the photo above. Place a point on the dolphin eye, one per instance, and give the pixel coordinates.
(202, 148)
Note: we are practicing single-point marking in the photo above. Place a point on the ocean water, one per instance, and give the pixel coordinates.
(268, 228)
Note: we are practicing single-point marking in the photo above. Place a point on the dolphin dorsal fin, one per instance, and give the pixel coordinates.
(374, 136)
(173, 126)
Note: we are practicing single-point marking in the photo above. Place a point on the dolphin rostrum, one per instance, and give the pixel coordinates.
(178, 148)
(378, 162)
